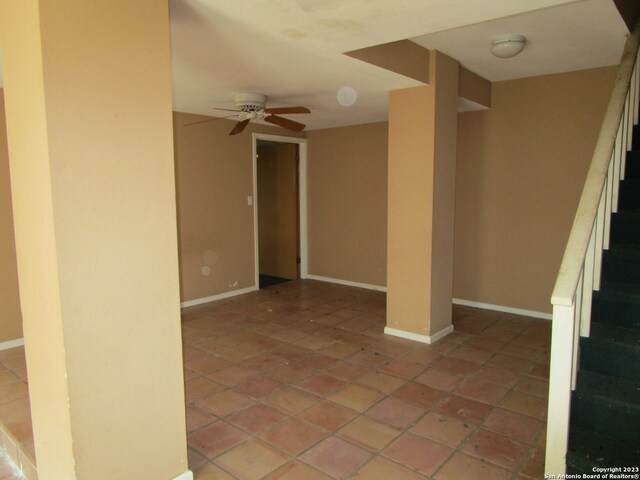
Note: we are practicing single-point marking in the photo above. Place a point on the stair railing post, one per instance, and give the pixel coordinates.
(559, 406)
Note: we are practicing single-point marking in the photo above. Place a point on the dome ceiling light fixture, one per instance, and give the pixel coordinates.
(507, 46)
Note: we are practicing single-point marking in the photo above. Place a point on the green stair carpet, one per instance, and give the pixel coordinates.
(605, 407)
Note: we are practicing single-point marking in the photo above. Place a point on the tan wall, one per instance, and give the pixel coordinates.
(278, 210)
(10, 315)
(214, 175)
(521, 167)
(94, 201)
(347, 203)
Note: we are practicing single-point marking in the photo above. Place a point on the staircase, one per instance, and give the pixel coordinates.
(605, 407)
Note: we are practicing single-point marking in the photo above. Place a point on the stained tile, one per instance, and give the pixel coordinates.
(497, 375)
(534, 465)
(465, 409)
(446, 430)
(290, 400)
(289, 373)
(256, 418)
(395, 412)
(382, 469)
(381, 381)
(197, 418)
(321, 384)
(514, 425)
(440, 380)
(298, 471)
(533, 386)
(419, 395)
(356, 397)
(403, 368)
(347, 371)
(456, 366)
(293, 436)
(526, 404)
(423, 355)
(368, 433)
(201, 387)
(482, 391)
(252, 460)
(258, 387)
(219, 437)
(471, 354)
(207, 365)
(463, 467)
(231, 375)
(194, 459)
(224, 403)
(328, 415)
(316, 361)
(341, 350)
(496, 449)
(336, 457)
(418, 453)
(369, 359)
(517, 365)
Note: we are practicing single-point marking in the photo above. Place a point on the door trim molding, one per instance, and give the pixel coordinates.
(302, 199)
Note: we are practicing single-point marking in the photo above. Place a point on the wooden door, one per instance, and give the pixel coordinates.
(278, 209)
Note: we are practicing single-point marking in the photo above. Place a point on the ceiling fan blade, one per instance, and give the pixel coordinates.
(285, 122)
(240, 126)
(287, 110)
(227, 109)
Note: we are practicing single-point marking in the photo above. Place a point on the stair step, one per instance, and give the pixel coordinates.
(621, 263)
(588, 449)
(629, 194)
(625, 227)
(607, 405)
(632, 164)
(617, 304)
(612, 350)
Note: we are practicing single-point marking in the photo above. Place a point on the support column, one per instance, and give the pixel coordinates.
(422, 160)
(88, 102)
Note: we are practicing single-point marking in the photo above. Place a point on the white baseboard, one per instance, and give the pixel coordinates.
(220, 296)
(500, 308)
(417, 337)
(348, 283)
(18, 342)
(188, 475)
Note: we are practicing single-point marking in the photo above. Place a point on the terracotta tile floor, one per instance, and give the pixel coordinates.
(299, 382)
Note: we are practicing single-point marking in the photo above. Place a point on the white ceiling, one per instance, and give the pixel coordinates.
(291, 50)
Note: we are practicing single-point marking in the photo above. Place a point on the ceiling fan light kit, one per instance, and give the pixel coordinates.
(251, 106)
(507, 46)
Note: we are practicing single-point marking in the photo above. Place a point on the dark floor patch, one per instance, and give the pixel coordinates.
(267, 280)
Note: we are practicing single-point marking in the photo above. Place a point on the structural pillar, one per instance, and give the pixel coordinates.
(421, 194)
(88, 103)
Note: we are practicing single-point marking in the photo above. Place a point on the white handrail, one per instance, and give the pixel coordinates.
(567, 281)
(580, 270)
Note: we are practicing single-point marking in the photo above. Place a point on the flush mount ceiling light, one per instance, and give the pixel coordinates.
(507, 46)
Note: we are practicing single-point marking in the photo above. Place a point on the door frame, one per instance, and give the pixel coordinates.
(302, 200)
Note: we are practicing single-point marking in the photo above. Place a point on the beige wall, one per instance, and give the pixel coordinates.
(214, 175)
(521, 167)
(347, 203)
(10, 316)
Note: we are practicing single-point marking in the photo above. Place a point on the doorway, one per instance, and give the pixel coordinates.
(280, 209)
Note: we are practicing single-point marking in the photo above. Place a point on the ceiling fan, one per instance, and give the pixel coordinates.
(251, 106)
